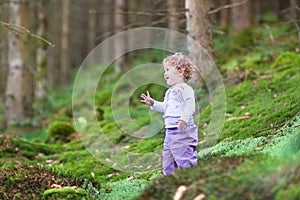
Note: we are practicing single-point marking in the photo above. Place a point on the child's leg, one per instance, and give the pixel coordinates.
(188, 158)
(169, 164)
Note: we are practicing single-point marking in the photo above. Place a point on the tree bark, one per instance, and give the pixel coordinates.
(92, 25)
(106, 26)
(54, 34)
(41, 58)
(200, 28)
(225, 13)
(121, 64)
(241, 15)
(3, 54)
(65, 68)
(173, 20)
(19, 87)
(293, 10)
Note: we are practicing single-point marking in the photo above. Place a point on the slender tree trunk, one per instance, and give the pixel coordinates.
(65, 68)
(121, 64)
(199, 28)
(92, 25)
(257, 10)
(120, 46)
(3, 54)
(173, 20)
(224, 16)
(293, 10)
(106, 26)
(41, 58)
(79, 31)
(19, 87)
(241, 15)
(53, 58)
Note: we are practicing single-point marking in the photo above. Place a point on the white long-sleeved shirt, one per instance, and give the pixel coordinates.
(178, 104)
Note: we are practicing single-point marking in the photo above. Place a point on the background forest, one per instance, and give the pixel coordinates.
(255, 46)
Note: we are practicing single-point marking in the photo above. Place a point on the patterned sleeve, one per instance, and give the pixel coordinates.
(187, 97)
(158, 106)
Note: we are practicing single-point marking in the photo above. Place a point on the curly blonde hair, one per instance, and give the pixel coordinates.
(180, 61)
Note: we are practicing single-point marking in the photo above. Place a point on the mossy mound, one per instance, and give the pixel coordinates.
(19, 181)
(65, 193)
(273, 175)
(12, 146)
(60, 132)
(262, 105)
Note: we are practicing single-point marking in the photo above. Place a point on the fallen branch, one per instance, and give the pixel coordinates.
(20, 30)
(287, 128)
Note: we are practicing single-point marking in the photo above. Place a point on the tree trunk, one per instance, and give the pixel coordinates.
(106, 26)
(65, 68)
(224, 16)
(121, 64)
(3, 54)
(92, 25)
(19, 87)
(173, 20)
(293, 10)
(200, 28)
(257, 10)
(241, 15)
(41, 58)
(54, 35)
(80, 33)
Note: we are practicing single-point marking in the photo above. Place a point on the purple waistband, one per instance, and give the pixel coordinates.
(172, 129)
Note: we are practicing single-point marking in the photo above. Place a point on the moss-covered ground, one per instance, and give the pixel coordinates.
(256, 155)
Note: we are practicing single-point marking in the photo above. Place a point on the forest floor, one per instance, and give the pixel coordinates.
(255, 157)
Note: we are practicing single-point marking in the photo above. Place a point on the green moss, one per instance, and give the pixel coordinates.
(124, 189)
(60, 132)
(13, 146)
(147, 145)
(292, 193)
(270, 100)
(65, 193)
(240, 170)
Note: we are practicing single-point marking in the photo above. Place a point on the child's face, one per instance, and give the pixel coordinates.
(172, 75)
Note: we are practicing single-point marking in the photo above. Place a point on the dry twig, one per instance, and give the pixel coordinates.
(20, 30)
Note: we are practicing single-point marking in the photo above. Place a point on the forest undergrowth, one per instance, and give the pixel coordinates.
(255, 156)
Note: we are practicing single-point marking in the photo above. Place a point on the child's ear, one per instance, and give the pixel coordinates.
(181, 71)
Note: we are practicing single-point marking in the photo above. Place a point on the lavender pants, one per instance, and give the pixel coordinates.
(180, 149)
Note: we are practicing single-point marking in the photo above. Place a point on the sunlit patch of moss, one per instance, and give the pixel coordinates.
(269, 101)
(65, 193)
(147, 145)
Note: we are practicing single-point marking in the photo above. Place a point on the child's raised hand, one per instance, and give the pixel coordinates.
(147, 99)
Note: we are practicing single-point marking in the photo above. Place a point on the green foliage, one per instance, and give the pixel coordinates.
(66, 193)
(60, 132)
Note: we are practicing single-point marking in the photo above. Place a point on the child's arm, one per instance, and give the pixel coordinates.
(155, 105)
(188, 104)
